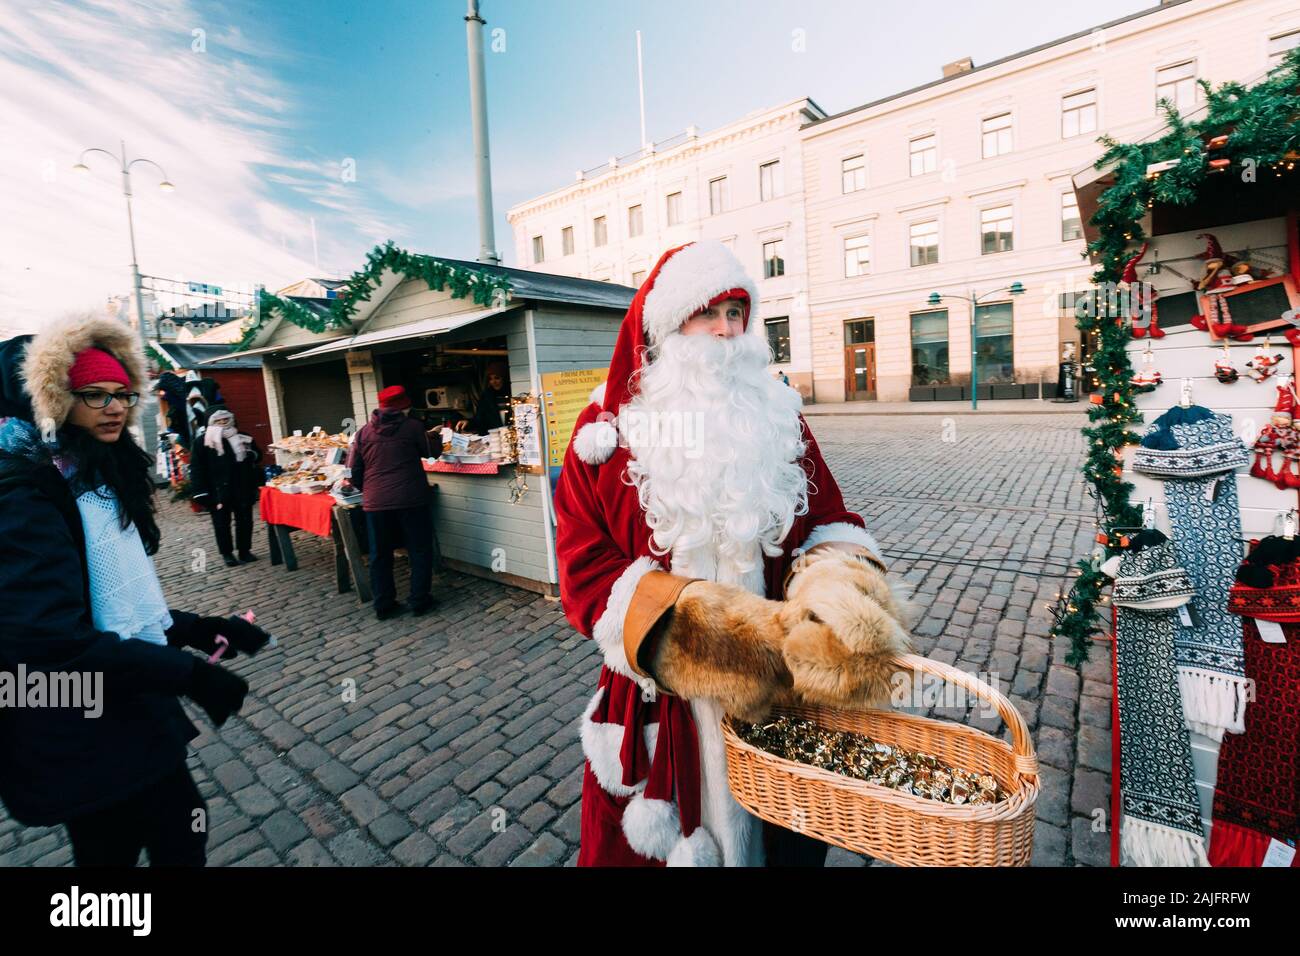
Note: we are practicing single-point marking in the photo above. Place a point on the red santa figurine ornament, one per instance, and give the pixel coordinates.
(704, 545)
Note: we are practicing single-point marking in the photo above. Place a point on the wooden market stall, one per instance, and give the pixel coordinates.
(434, 326)
(1219, 276)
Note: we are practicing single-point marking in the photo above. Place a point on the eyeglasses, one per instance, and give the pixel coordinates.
(96, 398)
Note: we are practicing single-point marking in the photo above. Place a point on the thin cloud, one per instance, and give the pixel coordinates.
(91, 73)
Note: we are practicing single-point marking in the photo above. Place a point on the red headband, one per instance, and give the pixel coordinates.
(95, 365)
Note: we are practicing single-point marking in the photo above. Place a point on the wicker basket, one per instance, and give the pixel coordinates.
(897, 827)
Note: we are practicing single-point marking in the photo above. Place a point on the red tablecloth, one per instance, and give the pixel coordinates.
(308, 512)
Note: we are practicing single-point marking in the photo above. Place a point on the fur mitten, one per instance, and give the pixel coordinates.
(851, 624)
(726, 643)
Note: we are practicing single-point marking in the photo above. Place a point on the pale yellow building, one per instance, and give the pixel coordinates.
(964, 186)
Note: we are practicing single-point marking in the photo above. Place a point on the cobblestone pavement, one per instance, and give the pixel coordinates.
(461, 746)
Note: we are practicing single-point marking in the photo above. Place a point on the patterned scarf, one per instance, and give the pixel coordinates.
(1161, 823)
(1195, 452)
(1257, 793)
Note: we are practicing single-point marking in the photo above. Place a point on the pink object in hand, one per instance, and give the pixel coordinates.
(223, 644)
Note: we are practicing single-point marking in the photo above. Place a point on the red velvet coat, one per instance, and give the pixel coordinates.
(654, 765)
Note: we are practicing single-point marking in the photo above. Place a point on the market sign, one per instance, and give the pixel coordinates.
(360, 362)
(564, 396)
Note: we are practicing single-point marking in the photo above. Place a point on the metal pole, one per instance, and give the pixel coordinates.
(135, 266)
(478, 111)
(640, 87)
(148, 422)
(974, 356)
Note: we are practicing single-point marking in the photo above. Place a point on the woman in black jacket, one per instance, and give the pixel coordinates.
(80, 606)
(225, 473)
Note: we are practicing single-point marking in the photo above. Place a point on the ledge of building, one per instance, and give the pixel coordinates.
(987, 406)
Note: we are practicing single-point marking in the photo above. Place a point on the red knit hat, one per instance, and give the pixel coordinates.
(394, 397)
(95, 365)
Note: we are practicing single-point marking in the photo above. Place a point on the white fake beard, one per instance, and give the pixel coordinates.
(715, 444)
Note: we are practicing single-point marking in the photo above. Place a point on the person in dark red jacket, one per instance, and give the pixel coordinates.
(386, 468)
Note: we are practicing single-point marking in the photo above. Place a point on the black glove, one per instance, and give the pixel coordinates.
(219, 692)
(243, 637)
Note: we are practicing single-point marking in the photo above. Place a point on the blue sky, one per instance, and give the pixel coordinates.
(255, 117)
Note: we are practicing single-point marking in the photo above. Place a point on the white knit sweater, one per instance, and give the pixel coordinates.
(125, 596)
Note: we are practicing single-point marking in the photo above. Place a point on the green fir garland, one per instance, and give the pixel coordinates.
(481, 286)
(159, 359)
(1263, 136)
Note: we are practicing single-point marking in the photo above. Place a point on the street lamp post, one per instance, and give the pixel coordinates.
(166, 186)
(972, 300)
(150, 426)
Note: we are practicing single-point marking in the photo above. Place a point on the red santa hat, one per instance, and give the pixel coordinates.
(685, 280)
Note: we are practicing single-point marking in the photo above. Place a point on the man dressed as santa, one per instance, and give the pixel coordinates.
(705, 547)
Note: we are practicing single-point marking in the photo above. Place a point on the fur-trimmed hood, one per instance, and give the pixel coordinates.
(51, 354)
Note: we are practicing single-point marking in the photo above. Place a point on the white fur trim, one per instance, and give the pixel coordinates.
(840, 531)
(651, 826)
(738, 834)
(598, 394)
(698, 849)
(1143, 843)
(687, 282)
(602, 745)
(608, 631)
(50, 355)
(596, 441)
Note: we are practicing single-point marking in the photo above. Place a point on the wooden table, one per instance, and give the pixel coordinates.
(314, 514)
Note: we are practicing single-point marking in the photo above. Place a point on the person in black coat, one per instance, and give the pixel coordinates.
(493, 408)
(111, 765)
(225, 473)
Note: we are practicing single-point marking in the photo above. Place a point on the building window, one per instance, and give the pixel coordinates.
(930, 347)
(674, 209)
(1071, 224)
(599, 233)
(717, 195)
(925, 242)
(997, 135)
(635, 224)
(638, 277)
(769, 180)
(1078, 113)
(1279, 45)
(539, 250)
(993, 348)
(773, 258)
(857, 256)
(924, 152)
(853, 173)
(859, 332)
(566, 240)
(1177, 84)
(778, 339)
(995, 229)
